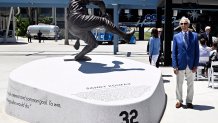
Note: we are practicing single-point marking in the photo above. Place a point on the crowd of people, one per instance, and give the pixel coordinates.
(188, 49)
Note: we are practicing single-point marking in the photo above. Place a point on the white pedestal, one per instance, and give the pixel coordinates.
(105, 90)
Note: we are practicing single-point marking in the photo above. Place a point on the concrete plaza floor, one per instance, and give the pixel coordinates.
(14, 55)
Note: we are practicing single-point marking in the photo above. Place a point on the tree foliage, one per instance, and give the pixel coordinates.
(45, 20)
(22, 24)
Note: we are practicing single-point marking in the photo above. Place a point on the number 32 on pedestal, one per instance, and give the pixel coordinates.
(129, 117)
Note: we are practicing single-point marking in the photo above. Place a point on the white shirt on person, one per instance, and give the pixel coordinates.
(204, 51)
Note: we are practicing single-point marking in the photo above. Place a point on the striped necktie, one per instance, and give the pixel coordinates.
(186, 39)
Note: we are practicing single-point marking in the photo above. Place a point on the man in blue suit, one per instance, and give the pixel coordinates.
(185, 58)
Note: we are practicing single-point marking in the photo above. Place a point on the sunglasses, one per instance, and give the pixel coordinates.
(183, 23)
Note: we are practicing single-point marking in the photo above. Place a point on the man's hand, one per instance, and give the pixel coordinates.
(77, 44)
(176, 71)
(194, 69)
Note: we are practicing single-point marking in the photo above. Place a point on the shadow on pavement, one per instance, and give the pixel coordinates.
(93, 68)
(203, 107)
(13, 43)
(167, 76)
(166, 81)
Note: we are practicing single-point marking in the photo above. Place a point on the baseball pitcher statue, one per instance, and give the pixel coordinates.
(81, 24)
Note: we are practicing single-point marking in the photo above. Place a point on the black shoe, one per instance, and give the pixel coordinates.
(129, 36)
(189, 105)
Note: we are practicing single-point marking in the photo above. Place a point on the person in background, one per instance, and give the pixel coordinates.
(213, 50)
(213, 56)
(39, 36)
(29, 36)
(207, 36)
(204, 52)
(185, 59)
(56, 36)
(160, 35)
(154, 46)
(148, 50)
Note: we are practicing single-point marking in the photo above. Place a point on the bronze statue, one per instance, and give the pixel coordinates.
(81, 24)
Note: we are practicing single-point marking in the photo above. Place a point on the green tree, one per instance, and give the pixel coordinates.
(22, 24)
(45, 20)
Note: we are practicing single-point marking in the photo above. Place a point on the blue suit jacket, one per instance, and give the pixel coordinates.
(181, 57)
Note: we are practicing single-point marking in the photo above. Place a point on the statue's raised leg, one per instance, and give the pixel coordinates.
(126, 36)
(112, 28)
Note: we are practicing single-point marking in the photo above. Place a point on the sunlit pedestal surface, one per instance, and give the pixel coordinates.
(106, 89)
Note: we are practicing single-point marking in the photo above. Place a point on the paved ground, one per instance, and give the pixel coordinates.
(14, 55)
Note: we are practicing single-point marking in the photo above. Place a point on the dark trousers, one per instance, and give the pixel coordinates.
(40, 39)
(29, 39)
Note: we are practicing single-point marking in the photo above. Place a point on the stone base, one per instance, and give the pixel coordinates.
(105, 90)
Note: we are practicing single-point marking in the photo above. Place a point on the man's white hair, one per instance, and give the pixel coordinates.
(207, 28)
(159, 29)
(185, 19)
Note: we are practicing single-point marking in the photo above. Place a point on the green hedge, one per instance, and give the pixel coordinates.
(146, 35)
